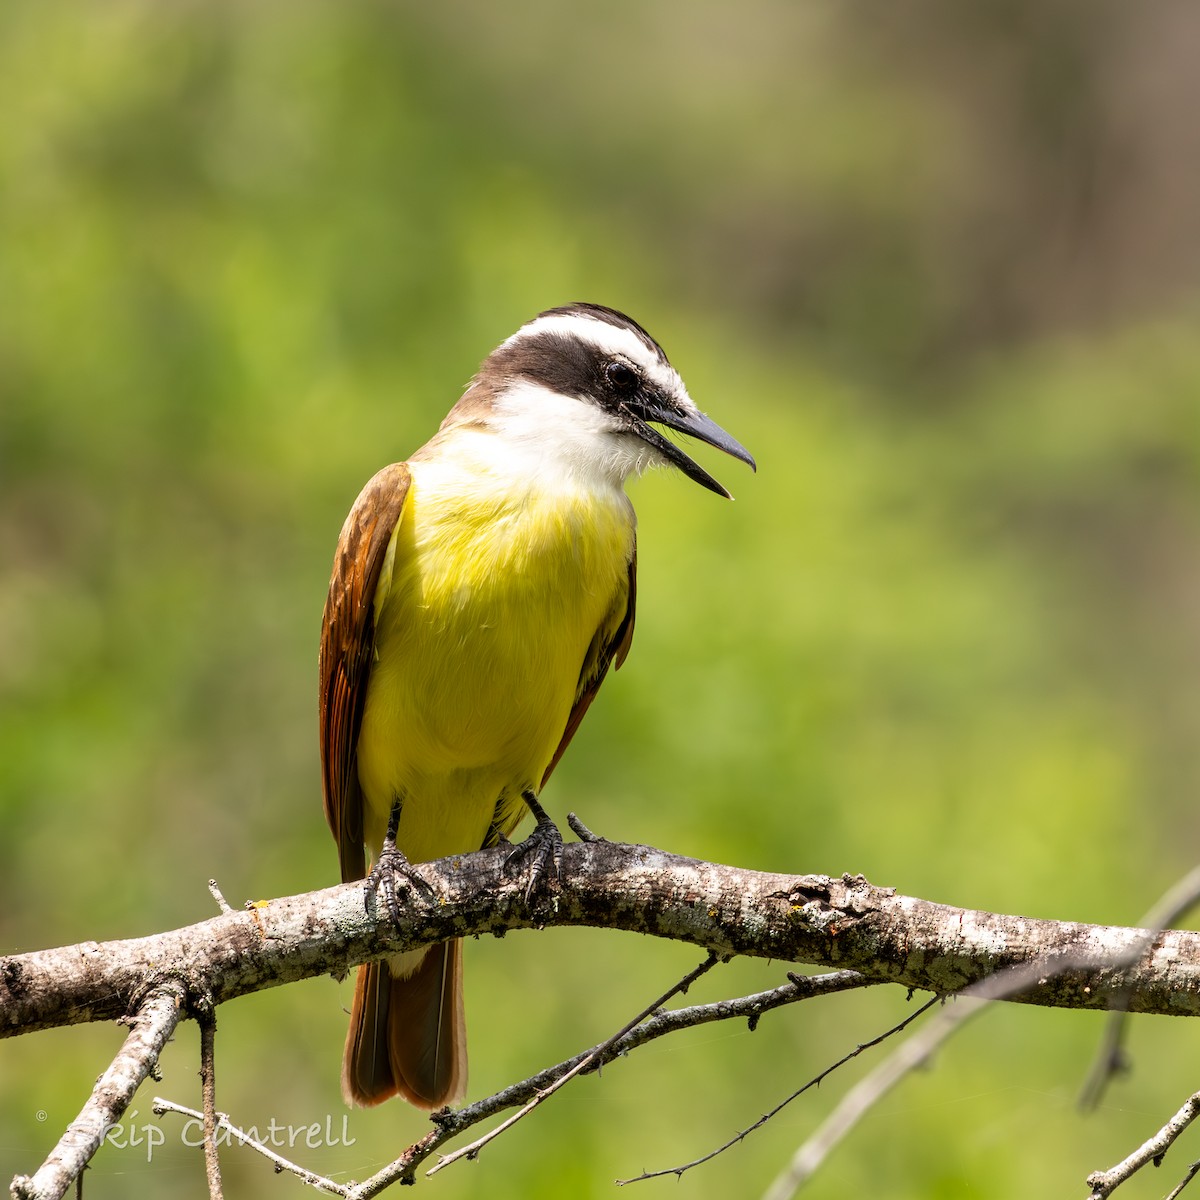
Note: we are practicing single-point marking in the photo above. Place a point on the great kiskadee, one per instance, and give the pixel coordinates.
(480, 593)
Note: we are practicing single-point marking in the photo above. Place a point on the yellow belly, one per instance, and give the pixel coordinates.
(490, 600)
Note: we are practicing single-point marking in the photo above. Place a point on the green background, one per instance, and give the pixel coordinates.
(934, 264)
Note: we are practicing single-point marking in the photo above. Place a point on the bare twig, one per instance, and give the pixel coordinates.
(207, 1020)
(151, 1028)
(816, 1081)
(591, 1057)
(215, 892)
(1110, 1057)
(1192, 1172)
(580, 830)
(224, 1125)
(1104, 1183)
(449, 1125)
(750, 1008)
(911, 1054)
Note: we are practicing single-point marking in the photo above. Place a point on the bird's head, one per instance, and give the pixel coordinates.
(585, 385)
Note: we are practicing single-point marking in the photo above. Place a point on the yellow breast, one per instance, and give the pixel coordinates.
(491, 596)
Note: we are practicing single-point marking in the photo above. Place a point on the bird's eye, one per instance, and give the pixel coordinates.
(621, 376)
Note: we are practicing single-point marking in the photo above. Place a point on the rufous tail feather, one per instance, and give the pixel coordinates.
(407, 1033)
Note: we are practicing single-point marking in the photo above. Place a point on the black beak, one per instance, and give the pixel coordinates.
(694, 424)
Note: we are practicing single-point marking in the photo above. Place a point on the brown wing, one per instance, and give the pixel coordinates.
(347, 646)
(610, 645)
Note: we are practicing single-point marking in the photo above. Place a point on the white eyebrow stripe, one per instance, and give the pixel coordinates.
(610, 339)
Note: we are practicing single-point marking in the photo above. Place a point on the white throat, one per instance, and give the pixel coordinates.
(564, 440)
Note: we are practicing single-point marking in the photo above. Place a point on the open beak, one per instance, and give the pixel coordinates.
(694, 424)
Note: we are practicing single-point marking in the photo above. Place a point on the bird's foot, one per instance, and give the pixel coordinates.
(392, 870)
(543, 847)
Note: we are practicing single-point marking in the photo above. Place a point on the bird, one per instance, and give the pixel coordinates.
(480, 592)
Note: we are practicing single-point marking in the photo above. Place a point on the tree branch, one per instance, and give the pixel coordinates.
(1104, 1183)
(912, 1054)
(281, 1164)
(816, 1081)
(1110, 1056)
(867, 932)
(207, 1020)
(591, 1059)
(450, 1123)
(156, 1019)
(846, 923)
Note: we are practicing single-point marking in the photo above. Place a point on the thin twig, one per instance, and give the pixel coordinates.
(768, 1116)
(749, 1008)
(450, 1124)
(224, 1125)
(911, 1054)
(215, 892)
(798, 987)
(581, 831)
(544, 1094)
(152, 1027)
(1192, 1172)
(207, 1019)
(1104, 1183)
(1110, 1058)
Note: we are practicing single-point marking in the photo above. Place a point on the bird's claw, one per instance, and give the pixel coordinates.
(390, 869)
(543, 847)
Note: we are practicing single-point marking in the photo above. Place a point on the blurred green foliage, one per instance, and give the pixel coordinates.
(931, 267)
